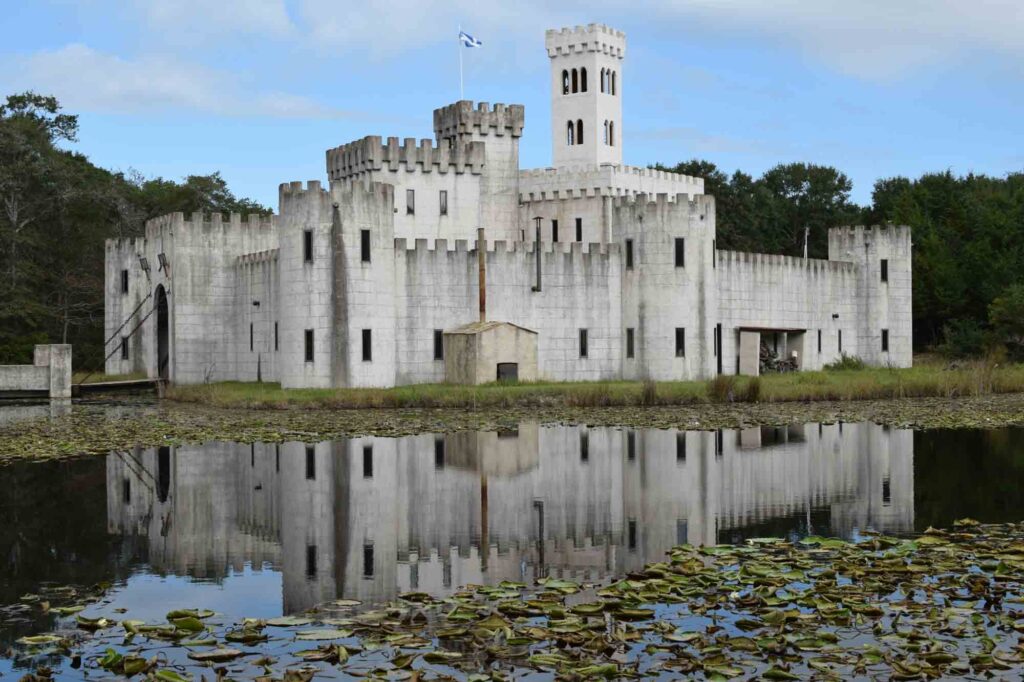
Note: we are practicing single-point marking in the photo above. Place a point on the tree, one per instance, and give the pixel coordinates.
(1006, 315)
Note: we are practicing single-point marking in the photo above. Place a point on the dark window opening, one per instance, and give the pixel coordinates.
(631, 537)
(680, 342)
(570, 133)
(277, 458)
(446, 574)
(124, 348)
(680, 252)
(368, 561)
(367, 461)
(583, 80)
(575, 81)
(444, 202)
(579, 131)
(886, 491)
(840, 341)
(307, 246)
(508, 371)
(310, 463)
(885, 270)
(885, 340)
(714, 253)
(126, 491)
(311, 561)
(367, 345)
(439, 453)
(124, 281)
(819, 340)
(309, 345)
(439, 344)
(554, 230)
(719, 443)
(680, 447)
(565, 81)
(410, 202)
(583, 343)
(631, 445)
(579, 229)
(276, 337)
(584, 447)
(629, 254)
(364, 245)
(251, 337)
(629, 342)
(682, 531)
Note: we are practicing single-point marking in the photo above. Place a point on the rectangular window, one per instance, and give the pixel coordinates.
(410, 202)
(439, 453)
(276, 338)
(840, 341)
(629, 342)
(719, 443)
(631, 531)
(310, 463)
(367, 345)
(682, 531)
(886, 492)
(629, 254)
(444, 202)
(819, 340)
(579, 229)
(367, 461)
(251, 337)
(126, 491)
(368, 561)
(714, 253)
(307, 246)
(554, 230)
(885, 269)
(680, 342)
(680, 252)
(885, 340)
(124, 348)
(584, 447)
(439, 344)
(583, 343)
(311, 561)
(680, 447)
(124, 281)
(364, 246)
(309, 345)
(630, 445)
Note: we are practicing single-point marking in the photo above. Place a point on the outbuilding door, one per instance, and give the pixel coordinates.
(508, 371)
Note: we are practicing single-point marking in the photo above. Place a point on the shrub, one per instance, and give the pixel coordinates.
(649, 395)
(722, 389)
(845, 362)
(752, 391)
(962, 339)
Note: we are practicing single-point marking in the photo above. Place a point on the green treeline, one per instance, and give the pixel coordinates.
(57, 208)
(968, 235)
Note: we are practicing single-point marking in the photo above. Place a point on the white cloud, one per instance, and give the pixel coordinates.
(218, 17)
(84, 79)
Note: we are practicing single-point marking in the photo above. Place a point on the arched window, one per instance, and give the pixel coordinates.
(611, 133)
(606, 132)
(602, 80)
(575, 81)
(613, 88)
(579, 131)
(565, 81)
(583, 79)
(570, 130)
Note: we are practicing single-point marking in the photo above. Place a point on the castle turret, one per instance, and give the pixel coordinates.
(586, 94)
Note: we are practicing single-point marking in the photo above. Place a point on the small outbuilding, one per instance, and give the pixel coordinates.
(482, 352)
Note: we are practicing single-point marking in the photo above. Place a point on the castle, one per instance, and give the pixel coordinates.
(441, 260)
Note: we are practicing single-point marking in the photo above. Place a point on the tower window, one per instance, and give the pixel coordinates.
(613, 88)
(124, 281)
(368, 560)
(554, 230)
(680, 252)
(584, 446)
(840, 341)
(311, 561)
(309, 345)
(631, 445)
(364, 245)
(680, 342)
(367, 345)
(124, 348)
(583, 343)
(885, 340)
(583, 80)
(565, 82)
(606, 131)
(629, 342)
(611, 133)
(276, 338)
(438, 344)
(444, 202)
(307, 246)
(629, 254)
(570, 133)
(819, 340)
(885, 269)
(579, 229)
(603, 74)
(439, 453)
(310, 463)
(251, 337)
(680, 447)
(410, 202)
(579, 131)
(367, 461)
(575, 81)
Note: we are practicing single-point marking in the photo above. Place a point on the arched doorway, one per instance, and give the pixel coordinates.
(163, 345)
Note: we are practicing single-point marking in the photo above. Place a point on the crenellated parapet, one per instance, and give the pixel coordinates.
(370, 154)
(727, 259)
(506, 246)
(461, 118)
(545, 184)
(259, 257)
(671, 206)
(856, 242)
(589, 38)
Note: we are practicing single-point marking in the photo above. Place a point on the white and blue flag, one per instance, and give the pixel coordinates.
(468, 40)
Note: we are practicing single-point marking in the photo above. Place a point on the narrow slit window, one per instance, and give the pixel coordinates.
(307, 246)
(410, 202)
(554, 230)
(680, 252)
(309, 345)
(886, 492)
(611, 133)
(840, 341)
(629, 254)
(368, 560)
(124, 348)
(579, 131)
(885, 269)
(629, 342)
(631, 539)
(367, 345)
(631, 445)
(311, 561)
(579, 229)
(680, 448)
(583, 343)
(583, 79)
(680, 342)
(438, 344)
(367, 461)
(575, 80)
(310, 463)
(584, 447)
(885, 340)
(570, 133)
(444, 202)
(819, 340)
(439, 453)
(364, 246)
(124, 281)
(277, 338)
(714, 254)
(252, 337)
(565, 81)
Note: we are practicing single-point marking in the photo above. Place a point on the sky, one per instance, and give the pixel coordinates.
(259, 89)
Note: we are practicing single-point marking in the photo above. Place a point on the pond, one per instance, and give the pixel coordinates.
(269, 530)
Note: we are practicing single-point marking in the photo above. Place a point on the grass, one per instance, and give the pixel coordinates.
(930, 380)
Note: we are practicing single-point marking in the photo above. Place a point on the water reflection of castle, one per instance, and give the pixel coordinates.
(367, 518)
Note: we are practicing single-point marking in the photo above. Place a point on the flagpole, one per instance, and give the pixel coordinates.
(461, 95)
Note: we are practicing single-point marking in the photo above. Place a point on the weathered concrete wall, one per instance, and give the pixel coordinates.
(473, 353)
(49, 373)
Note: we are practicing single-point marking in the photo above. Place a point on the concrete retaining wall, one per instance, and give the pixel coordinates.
(49, 374)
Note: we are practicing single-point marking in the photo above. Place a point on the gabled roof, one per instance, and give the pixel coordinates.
(479, 327)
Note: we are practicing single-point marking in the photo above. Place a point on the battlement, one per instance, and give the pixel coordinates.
(501, 246)
(370, 154)
(727, 259)
(542, 184)
(266, 256)
(461, 118)
(664, 201)
(589, 38)
(854, 242)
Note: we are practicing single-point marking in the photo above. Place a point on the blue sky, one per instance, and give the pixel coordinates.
(258, 89)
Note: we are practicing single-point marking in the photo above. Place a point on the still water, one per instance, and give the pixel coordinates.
(265, 530)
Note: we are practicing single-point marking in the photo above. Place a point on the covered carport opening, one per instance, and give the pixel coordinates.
(769, 349)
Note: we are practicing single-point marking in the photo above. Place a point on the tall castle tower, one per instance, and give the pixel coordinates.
(586, 94)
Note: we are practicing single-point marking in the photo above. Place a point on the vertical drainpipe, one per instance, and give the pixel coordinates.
(481, 258)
